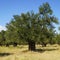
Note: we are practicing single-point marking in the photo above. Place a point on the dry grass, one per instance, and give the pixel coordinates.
(22, 53)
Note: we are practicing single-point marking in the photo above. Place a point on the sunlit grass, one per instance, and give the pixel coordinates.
(22, 53)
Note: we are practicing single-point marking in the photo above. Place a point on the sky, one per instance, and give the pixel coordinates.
(8, 8)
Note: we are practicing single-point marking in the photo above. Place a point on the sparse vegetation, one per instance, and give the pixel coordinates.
(50, 52)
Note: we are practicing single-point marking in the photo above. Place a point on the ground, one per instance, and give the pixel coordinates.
(22, 53)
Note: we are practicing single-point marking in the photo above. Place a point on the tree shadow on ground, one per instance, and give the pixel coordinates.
(5, 54)
(43, 50)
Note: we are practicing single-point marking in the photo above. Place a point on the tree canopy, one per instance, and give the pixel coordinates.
(32, 28)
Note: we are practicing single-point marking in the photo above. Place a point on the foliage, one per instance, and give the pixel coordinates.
(32, 28)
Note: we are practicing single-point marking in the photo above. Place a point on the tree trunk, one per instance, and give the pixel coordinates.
(7, 45)
(31, 45)
(44, 45)
(0, 44)
(14, 44)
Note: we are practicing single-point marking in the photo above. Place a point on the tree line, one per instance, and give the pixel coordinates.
(31, 28)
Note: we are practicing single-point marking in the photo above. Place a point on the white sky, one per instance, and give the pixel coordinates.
(2, 28)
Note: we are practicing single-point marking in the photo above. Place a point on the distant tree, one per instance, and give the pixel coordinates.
(2, 38)
(52, 39)
(58, 38)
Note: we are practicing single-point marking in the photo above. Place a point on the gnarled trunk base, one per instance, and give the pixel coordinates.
(31, 45)
(14, 44)
(7, 45)
(44, 45)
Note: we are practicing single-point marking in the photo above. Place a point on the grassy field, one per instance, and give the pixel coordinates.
(22, 53)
